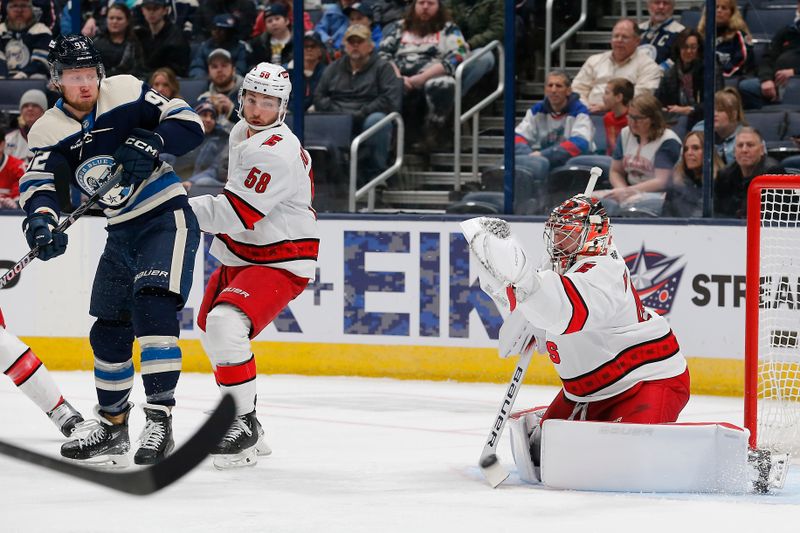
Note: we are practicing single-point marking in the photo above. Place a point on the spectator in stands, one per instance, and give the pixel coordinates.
(729, 119)
(624, 60)
(223, 35)
(32, 106)
(779, 64)
(244, 11)
(166, 82)
(389, 11)
(260, 26)
(552, 131)
(11, 170)
(734, 49)
(163, 43)
(660, 31)
(481, 22)
(643, 161)
(730, 190)
(207, 164)
(121, 51)
(616, 97)
(223, 89)
(365, 85)
(23, 43)
(681, 88)
(332, 25)
(685, 189)
(361, 13)
(275, 44)
(314, 63)
(425, 49)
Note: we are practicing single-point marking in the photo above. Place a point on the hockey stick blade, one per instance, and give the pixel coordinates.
(493, 471)
(150, 479)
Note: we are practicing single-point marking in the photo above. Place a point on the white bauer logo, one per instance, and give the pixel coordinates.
(88, 173)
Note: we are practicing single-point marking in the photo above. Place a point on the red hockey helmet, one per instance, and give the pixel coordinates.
(578, 227)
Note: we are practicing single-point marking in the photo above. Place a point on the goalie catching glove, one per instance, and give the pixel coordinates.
(510, 276)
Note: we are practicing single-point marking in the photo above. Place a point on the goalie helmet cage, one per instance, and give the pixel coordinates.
(772, 316)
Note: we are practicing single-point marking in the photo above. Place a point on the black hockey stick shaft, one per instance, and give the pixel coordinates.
(489, 464)
(153, 478)
(108, 182)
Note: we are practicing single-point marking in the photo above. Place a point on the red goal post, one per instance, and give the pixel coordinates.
(772, 316)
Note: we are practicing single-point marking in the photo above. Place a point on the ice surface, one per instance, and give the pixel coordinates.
(353, 455)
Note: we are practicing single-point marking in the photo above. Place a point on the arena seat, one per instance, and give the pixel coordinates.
(12, 90)
(192, 88)
(764, 22)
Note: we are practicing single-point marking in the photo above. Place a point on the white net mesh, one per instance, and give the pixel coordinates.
(779, 322)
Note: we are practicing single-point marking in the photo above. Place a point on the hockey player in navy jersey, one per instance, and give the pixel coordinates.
(266, 239)
(145, 272)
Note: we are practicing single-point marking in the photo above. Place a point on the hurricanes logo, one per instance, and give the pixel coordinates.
(88, 174)
(655, 277)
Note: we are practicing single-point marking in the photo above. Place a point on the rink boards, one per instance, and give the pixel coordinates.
(396, 297)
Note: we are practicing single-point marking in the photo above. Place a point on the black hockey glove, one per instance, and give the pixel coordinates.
(138, 156)
(39, 232)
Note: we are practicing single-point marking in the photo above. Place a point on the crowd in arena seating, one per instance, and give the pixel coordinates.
(637, 108)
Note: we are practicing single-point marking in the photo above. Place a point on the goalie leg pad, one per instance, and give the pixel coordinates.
(525, 440)
(227, 344)
(615, 456)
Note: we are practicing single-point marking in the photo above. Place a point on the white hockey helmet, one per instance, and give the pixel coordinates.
(269, 79)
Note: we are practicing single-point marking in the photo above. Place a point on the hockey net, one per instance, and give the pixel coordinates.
(772, 328)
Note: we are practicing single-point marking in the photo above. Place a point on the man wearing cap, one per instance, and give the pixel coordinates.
(244, 11)
(32, 106)
(362, 13)
(23, 42)
(315, 60)
(223, 88)
(275, 44)
(163, 42)
(206, 164)
(223, 35)
(363, 84)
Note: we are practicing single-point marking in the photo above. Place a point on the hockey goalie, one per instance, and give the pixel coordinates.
(625, 381)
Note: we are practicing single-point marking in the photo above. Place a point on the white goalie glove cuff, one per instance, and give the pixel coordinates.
(502, 257)
(518, 336)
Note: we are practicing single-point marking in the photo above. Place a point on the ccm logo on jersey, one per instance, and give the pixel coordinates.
(141, 145)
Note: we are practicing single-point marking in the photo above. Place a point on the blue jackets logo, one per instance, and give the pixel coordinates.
(655, 277)
(88, 174)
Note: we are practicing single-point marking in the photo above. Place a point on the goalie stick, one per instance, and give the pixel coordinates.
(489, 464)
(153, 478)
(107, 182)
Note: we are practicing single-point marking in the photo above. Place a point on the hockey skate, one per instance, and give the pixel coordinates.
(262, 448)
(156, 441)
(238, 447)
(99, 442)
(65, 417)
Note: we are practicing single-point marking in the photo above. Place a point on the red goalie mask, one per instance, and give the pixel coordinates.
(578, 227)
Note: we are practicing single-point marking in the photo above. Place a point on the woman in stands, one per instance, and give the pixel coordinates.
(118, 46)
(685, 189)
(729, 118)
(643, 160)
(681, 88)
(734, 48)
(166, 82)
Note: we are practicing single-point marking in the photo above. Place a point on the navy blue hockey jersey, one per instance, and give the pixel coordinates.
(68, 150)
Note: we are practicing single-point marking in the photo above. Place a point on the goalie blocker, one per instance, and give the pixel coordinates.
(615, 456)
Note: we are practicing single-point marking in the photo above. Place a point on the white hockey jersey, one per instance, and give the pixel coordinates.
(263, 215)
(600, 338)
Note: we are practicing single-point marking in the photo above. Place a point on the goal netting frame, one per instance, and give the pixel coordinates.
(772, 316)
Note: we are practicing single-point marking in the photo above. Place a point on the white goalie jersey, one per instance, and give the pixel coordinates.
(600, 338)
(263, 215)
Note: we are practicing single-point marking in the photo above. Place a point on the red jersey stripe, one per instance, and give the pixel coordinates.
(623, 364)
(2, 320)
(264, 254)
(248, 215)
(23, 368)
(580, 312)
(231, 375)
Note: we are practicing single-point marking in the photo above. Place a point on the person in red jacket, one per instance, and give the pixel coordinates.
(11, 170)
